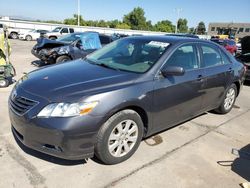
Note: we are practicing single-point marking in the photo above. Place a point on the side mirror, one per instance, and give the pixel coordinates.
(172, 71)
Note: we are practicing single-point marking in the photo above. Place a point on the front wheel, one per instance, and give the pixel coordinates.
(28, 38)
(62, 59)
(119, 137)
(229, 100)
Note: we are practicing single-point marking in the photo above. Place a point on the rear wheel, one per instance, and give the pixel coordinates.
(28, 38)
(62, 59)
(4, 83)
(119, 137)
(229, 100)
(13, 35)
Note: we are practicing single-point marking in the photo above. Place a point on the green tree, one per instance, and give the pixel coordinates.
(136, 19)
(74, 20)
(122, 26)
(114, 23)
(201, 28)
(182, 25)
(102, 23)
(191, 30)
(164, 26)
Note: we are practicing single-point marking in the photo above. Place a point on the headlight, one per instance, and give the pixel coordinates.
(67, 109)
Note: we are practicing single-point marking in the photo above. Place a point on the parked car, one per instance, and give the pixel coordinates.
(69, 47)
(244, 56)
(229, 45)
(32, 34)
(58, 32)
(238, 48)
(134, 87)
(13, 33)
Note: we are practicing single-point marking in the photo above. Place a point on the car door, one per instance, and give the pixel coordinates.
(218, 74)
(177, 98)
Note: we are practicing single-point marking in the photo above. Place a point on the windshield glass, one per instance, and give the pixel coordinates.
(133, 55)
(69, 38)
(57, 29)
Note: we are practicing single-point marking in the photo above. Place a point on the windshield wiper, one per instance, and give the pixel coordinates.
(107, 66)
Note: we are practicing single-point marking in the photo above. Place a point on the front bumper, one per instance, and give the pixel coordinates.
(68, 138)
(40, 54)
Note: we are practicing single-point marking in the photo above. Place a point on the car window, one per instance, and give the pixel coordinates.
(185, 57)
(225, 58)
(211, 56)
(71, 30)
(64, 30)
(104, 39)
(133, 55)
(57, 29)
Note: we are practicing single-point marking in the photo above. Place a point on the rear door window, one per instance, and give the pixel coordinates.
(71, 30)
(185, 56)
(211, 56)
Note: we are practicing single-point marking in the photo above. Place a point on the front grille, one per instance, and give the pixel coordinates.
(21, 105)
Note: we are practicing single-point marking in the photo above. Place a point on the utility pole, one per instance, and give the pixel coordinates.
(78, 10)
(178, 11)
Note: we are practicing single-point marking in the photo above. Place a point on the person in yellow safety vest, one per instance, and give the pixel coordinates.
(3, 40)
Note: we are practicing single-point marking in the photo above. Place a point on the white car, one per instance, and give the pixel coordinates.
(32, 34)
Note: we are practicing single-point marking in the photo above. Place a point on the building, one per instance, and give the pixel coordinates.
(237, 30)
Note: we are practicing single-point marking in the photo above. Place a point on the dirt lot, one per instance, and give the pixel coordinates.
(194, 154)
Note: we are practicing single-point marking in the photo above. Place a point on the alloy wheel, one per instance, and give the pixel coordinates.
(229, 100)
(123, 138)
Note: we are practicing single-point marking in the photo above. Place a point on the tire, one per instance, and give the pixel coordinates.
(110, 145)
(4, 83)
(62, 59)
(229, 100)
(13, 35)
(28, 38)
(52, 38)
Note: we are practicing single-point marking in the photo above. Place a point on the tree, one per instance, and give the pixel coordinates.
(201, 28)
(136, 19)
(114, 23)
(102, 23)
(182, 25)
(164, 26)
(122, 26)
(191, 30)
(74, 20)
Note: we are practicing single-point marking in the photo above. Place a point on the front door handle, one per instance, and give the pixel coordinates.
(230, 70)
(200, 78)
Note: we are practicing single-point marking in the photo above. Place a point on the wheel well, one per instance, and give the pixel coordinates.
(142, 114)
(53, 37)
(238, 87)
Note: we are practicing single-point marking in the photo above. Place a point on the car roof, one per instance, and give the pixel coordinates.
(169, 39)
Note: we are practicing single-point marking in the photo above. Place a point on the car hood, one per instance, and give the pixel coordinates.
(47, 43)
(73, 80)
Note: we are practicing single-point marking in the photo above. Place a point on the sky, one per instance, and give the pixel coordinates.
(155, 10)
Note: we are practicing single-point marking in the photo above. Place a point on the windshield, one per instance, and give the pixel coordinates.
(133, 55)
(69, 38)
(57, 29)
